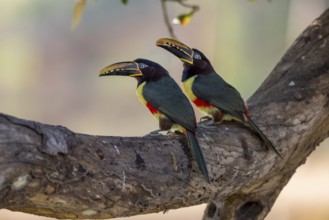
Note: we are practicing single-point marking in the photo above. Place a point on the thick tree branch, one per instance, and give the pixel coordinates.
(51, 171)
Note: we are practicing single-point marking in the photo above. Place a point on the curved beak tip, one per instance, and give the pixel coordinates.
(162, 42)
(105, 71)
(102, 74)
(182, 51)
(122, 69)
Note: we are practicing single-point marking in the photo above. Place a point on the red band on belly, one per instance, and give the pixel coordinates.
(152, 109)
(200, 103)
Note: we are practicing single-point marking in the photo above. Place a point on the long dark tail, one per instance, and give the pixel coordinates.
(263, 137)
(197, 153)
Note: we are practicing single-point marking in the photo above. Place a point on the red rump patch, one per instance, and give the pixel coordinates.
(152, 109)
(200, 103)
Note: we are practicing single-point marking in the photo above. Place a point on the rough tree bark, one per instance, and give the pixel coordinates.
(52, 171)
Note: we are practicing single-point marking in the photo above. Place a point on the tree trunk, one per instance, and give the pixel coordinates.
(52, 171)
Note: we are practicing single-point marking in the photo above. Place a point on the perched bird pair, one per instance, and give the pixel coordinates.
(206, 89)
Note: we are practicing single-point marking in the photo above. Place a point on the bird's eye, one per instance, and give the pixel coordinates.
(142, 65)
(197, 56)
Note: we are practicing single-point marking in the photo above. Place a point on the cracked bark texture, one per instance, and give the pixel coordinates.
(52, 171)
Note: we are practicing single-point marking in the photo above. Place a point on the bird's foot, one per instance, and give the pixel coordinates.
(212, 123)
(205, 118)
(178, 132)
(174, 132)
(156, 132)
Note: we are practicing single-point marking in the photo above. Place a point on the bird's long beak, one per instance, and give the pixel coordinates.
(177, 48)
(121, 69)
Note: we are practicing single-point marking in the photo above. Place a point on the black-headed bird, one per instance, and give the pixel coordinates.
(208, 90)
(165, 100)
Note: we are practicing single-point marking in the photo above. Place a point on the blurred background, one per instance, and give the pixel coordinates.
(49, 73)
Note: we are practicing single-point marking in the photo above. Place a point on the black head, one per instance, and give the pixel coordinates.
(200, 65)
(151, 71)
(194, 60)
(139, 68)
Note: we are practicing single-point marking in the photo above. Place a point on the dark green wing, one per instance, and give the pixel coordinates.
(166, 96)
(214, 90)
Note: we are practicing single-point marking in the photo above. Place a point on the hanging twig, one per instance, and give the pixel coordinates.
(168, 23)
(166, 19)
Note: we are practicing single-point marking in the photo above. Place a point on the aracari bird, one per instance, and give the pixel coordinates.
(165, 100)
(208, 90)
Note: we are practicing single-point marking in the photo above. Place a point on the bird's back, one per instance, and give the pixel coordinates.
(166, 96)
(214, 90)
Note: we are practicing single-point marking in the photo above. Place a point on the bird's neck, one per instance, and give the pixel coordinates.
(187, 74)
(140, 80)
(192, 70)
(152, 78)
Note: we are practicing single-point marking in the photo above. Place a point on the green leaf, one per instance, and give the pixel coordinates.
(183, 19)
(124, 2)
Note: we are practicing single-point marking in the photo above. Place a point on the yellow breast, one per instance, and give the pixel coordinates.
(201, 105)
(187, 85)
(157, 114)
(139, 93)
